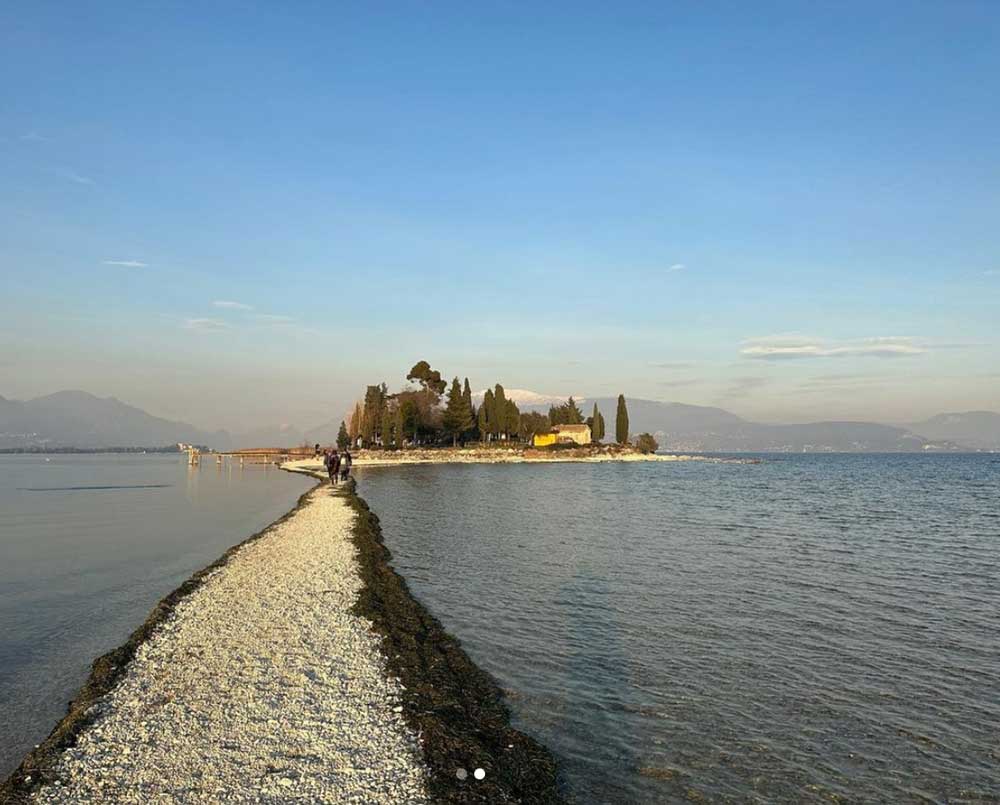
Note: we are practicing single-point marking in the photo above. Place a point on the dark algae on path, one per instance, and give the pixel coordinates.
(457, 708)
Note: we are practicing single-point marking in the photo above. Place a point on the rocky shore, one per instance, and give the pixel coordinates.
(296, 668)
(498, 455)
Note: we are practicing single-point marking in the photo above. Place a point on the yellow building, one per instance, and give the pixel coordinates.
(563, 434)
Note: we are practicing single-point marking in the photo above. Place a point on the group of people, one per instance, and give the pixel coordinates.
(338, 466)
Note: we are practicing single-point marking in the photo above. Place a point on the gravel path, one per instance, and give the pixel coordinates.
(260, 687)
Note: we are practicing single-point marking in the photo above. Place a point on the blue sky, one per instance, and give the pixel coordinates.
(786, 209)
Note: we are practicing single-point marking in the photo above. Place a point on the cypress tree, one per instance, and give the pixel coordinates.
(467, 396)
(486, 416)
(457, 418)
(512, 418)
(498, 420)
(343, 437)
(385, 427)
(621, 422)
(355, 426)
(473, 414)
(597, 428)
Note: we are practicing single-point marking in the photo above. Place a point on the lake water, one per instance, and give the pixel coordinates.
(807, 628)
(88, 544)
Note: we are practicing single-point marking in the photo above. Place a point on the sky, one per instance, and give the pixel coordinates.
(237, 215)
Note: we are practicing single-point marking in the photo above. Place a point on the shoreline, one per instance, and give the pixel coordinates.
(455, 708)
(478, 455)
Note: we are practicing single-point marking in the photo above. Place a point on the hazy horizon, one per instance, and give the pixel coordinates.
(240, 220)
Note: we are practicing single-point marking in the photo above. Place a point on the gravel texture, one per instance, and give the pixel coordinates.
(260, 685)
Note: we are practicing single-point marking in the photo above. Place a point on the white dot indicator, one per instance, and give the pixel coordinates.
(479, 774)
(461, 774)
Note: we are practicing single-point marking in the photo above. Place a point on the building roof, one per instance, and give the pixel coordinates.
(570, 428)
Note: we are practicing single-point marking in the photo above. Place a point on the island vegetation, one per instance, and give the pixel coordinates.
(431, 412)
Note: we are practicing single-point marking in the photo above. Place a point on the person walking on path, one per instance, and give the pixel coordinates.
(345, 464)
(334, 468)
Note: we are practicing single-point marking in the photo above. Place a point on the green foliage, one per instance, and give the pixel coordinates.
(343, 437)
(621, 421)
(428, 378)
(397, 427)
(410, 418)
(354, 429)
(532, 423)
(376, 398)
(485, 418)
(573, 413)
(596, 423)
(512, 419)
(645, 443)
(498, 421)
(566, 414)
(467, 396)
(457, 417)
(385, 428)
(470, 432)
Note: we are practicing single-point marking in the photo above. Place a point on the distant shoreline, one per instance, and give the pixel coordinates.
(62, 451)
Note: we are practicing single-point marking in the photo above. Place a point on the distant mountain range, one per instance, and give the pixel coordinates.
(698, 428)
(79, 419)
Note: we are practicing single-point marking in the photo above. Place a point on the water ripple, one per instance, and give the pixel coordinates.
(806, 629)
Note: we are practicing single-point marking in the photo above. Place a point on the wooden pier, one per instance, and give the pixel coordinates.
(258, 455)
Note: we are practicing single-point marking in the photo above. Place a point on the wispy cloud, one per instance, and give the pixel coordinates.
(676, 267)
(797, 347)
(227, 304)
(673, 365)
(744, 384)
(205, 325)
(125, 263)
(823, 384)
(992, 272)
(271, 318)
(670, 384)
(78, 178)
(33, 137)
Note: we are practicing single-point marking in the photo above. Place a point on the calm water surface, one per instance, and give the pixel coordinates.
(796, 630)
(88, 544)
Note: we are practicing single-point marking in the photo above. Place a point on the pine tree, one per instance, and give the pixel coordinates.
(457, 417)
(498, 419)
(621, 422)
(343, 437)
(597, 426)
(574, 416)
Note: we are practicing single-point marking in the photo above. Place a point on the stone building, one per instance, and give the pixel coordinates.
(563, 434)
